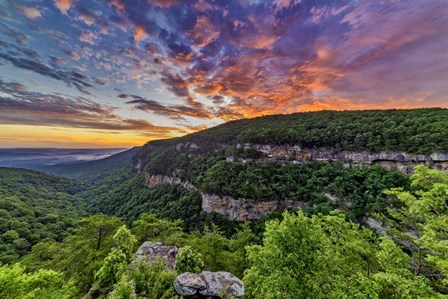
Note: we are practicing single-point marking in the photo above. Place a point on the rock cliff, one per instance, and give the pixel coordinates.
(400, 161)
(240, 209)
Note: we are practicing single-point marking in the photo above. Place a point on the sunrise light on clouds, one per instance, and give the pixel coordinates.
(118, 73)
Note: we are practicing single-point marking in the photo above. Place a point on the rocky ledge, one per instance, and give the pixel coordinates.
(240, 209)
(400, 161)
(222, 285)
(151, 252)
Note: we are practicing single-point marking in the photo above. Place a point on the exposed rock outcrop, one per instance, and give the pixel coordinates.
(400, 161)
(151, 252)
(240, 209)
(209, 284)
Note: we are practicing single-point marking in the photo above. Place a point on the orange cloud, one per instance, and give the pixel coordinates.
(203, 32)
(139, 34)
(63, 5)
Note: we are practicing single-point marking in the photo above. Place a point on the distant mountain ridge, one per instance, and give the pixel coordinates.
(92, 171)
(34, 158)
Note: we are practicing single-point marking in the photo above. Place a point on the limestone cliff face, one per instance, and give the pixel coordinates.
(400, 161)
(246, 209)
(240, 209)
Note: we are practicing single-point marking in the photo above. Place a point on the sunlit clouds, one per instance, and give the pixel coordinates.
(63, 5)
(156, 69)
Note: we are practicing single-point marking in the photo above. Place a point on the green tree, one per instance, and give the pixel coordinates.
(150, 228)
(421, 223)
(118, 259)
(188, 261)
(324, 256)
(153, 281)
(124, 289)
(15, 283)
(80, 255)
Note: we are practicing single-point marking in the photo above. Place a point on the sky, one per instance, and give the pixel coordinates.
(118, 73)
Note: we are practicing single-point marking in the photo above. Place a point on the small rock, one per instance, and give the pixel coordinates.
(151, 252)
(209, 284)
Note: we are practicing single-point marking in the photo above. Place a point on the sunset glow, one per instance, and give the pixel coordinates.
(118, 73)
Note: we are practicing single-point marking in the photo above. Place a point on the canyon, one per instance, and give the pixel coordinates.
(242, 209)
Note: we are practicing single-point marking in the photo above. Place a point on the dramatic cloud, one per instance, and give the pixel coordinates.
(209, 61)
(18, 105)
(175, 112)
(139, 34)
(70, 77)
(164, 3)
(88, 37)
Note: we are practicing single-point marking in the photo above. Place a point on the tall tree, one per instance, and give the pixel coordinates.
(421, 223)
(328, 257)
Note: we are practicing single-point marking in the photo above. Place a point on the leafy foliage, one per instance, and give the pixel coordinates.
(360, 187)
(118, 259)
(44, 284)
(327, 257)
(150, 228)
(153, 281)
(33, 207)
(80, 255)
(421, 223)
(188, 261)
(415, 131)
(124, 195)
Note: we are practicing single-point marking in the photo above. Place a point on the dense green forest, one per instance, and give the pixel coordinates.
(33, 207)
(358, 191)
(123, 194)
(70, 238)
(414, 131)
(322, 255)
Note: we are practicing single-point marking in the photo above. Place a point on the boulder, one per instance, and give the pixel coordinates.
(151, 252)
(209, 285)
(188, 284)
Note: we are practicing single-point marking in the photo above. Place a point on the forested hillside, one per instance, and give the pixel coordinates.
(296, 256)
(364, 231)
(413, 131)
(124, 194)
(34, 207)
